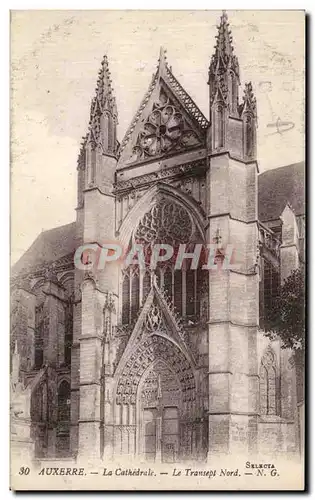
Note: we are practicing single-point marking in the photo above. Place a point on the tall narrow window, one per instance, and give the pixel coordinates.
(168, 283)
(248, 137)
(271, 286)
(93, 164)
(63, 429)
(234, 93)
(190, 292)
(38, 413)
(64, 402)
(135, 290)
(146, 285)
(110, 134)
(39, 336)
(178, 301)
(268, 388)
(158, 274)
(68, 332)
(220, 127)
(263, 374)
(202, 294)
(126, 298)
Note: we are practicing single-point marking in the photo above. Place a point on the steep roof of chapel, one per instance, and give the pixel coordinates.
(280, 186)
(49, 246)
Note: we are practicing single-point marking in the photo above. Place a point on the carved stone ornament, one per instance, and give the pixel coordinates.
(155, 348)
(268, 359)
(166, 222)
(154, 319)
(165, 130)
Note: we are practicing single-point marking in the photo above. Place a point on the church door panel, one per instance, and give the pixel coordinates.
(160, 398)
(149, 418)
(170, 438)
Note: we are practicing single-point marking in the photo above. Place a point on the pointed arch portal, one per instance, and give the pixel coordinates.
(156, 398)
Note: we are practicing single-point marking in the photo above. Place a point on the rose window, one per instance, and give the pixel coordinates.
(166, 222)
(164, 130)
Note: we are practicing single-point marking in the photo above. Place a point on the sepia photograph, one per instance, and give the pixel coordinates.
(157, 282)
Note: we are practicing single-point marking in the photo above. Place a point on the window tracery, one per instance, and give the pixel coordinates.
(166, 222)
(165, 130)
(170, 223)
(268, 391)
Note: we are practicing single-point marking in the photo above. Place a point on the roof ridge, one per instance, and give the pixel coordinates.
(141, 107)
(188, 103)
(302, 162)
(57, 227)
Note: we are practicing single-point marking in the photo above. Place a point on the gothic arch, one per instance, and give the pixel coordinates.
(63, 416)
(37, 283)
(154, 365)
(148, 200)
(37, 290)
(67, 278)
(64, 378)
(152, 348)
(269, 383)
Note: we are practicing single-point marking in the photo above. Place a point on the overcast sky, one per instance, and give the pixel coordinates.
(56, 55)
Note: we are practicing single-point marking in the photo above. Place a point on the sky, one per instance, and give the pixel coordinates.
(55, 58)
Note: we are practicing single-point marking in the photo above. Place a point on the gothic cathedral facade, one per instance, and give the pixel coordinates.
(171, 364)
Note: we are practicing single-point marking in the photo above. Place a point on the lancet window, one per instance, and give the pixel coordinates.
(168, 223)
(63, 429)
(268, 384)
(39, 335)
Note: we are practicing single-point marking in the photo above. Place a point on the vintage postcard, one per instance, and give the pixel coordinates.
(157, 246)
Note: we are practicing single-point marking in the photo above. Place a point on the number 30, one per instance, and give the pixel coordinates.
(24, 471)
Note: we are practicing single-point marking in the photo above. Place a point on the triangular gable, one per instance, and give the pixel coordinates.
(167, 121)
(155, 309)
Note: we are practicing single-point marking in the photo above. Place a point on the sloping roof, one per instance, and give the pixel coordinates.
(49, 246)
(164, 72)
(280, 186)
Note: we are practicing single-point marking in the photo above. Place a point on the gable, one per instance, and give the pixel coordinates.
(167, 129)
(156, 318)
(168, 121)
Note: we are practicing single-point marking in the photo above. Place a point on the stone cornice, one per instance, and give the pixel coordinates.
(192, 168)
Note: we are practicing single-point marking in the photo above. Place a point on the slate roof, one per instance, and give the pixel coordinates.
(278, 186)
(48, 247)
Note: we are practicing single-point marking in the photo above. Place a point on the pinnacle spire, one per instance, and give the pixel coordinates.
(162, 60)
(103, 104)
(224, 46)
(224, 51)
(224, 69)
(104, 88)
(104, 99)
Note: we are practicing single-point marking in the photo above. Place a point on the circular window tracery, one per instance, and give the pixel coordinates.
(166, 222)
(164, 130)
